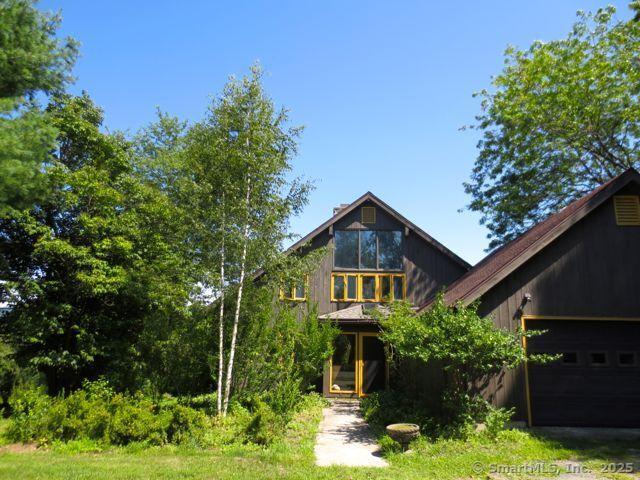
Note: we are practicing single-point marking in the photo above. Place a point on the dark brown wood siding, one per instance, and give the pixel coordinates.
(592, 270)
(427, 269)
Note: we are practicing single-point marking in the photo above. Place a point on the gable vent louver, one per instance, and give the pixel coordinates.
(627, 209)
(368, 215)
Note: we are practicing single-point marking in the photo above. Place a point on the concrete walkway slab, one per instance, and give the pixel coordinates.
(344, 438)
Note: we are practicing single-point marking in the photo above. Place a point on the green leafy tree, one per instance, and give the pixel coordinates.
(237, 193)
(96, 264)
(32, 60)
(467, 347)
(283, 349)
(563, 117)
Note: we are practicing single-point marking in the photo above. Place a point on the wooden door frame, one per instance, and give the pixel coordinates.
(359, 367)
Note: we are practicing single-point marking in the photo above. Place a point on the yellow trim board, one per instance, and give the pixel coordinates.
(377, 287)
(355, 373)
(526, 375)
(359, 366)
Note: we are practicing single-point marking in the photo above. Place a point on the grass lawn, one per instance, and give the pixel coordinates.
(293, 458)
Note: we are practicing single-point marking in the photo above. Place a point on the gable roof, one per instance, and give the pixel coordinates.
(370, 197)
(499, 264)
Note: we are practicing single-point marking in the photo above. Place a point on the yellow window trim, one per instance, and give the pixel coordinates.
(627, 209)
(378, 286)
(292, 293)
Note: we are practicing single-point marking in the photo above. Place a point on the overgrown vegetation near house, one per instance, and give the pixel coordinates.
(463, 350)
(129, 263)
(291, 457)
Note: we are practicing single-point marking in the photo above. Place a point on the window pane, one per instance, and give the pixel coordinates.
(385, 288)
(352, 287)
(570, 357)
(338, 287)
(626, 358)
(368, 249)
(346, 249)
(598, 358)
(368, 288)
(300, 290)
(390, 250)
(398, 288)
(343, 363)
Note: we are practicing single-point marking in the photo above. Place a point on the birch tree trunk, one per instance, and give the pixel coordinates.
(236, 317)
(221, 326)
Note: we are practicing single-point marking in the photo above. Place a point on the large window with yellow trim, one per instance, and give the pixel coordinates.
(368, 287)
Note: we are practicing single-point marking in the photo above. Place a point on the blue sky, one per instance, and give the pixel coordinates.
(382, 87)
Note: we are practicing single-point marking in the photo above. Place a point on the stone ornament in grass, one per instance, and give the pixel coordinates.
(403, 433)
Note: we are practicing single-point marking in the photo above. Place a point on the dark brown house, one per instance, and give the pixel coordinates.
(375, 256)
(577, 276)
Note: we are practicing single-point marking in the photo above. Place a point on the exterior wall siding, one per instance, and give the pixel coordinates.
(426, 268)
(592, 270)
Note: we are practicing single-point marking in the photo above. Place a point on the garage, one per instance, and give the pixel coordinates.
(596, 380)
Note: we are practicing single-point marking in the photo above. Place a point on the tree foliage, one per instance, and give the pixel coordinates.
(563, 117)
(467, 347)
(115, 251)
(96, 263)
(32, 60)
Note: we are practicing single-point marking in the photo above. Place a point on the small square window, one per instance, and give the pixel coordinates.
(598, 358)
(570, 358)
(626, 359)
(300, 292)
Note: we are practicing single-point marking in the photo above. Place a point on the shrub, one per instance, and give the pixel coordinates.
(469, 349)
(389, 445)
(133, 420)
(98, 414)
(496, 420)
(186, 425)
(384, 408)
(30, 407)
(265, 425)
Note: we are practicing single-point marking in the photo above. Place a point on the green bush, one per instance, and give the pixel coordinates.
(30, 408)
(134, 420)
(384, 408)
(265, 425)
(389, 445)
(99, 414)
(468, 348)
(186, 425)
(496, 420)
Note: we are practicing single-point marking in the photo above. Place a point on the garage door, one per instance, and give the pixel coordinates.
(595, 383)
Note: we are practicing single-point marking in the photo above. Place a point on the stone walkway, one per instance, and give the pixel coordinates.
(344, 438)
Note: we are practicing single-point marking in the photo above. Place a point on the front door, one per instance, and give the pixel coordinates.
(358, 366)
